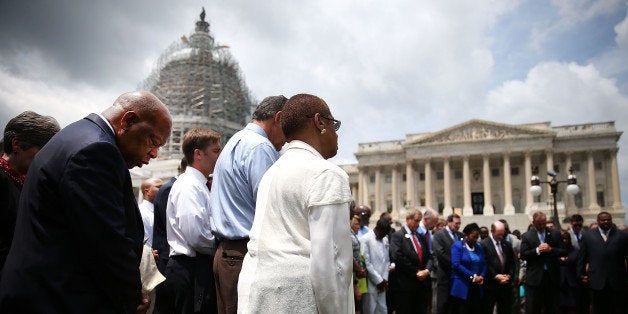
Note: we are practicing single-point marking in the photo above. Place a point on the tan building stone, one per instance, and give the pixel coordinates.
(481, 170)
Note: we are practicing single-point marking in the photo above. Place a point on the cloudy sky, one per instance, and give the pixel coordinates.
(387, 68)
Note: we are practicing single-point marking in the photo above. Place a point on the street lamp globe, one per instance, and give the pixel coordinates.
(572, 188)
(536, 190)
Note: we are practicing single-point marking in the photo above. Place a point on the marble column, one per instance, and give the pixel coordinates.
(378, 193)
(549, 165)
(617, 205)
(467, 210)
(365, 189)
(486, 180)
(448, 210)
(429, 195)
(354, 192)
(410, 195)
(395, 191)
(361, 187)
(593, 205)
(509, 209)
(530, 207)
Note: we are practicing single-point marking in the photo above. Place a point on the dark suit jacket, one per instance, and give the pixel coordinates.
(9, 198)
(441, 245)
(407, 263)
(160, 236)
(535, 263)
(494, 265)
(78, 236)
(606, 259)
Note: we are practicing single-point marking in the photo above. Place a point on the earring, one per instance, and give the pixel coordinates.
(323, 131)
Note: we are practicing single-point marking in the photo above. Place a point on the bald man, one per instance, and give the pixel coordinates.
(78, 237)
(500, 270)
(149, 187)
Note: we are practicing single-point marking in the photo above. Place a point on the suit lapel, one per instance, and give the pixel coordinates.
(101, 123)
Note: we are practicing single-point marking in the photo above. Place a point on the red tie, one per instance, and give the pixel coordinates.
(419, 252)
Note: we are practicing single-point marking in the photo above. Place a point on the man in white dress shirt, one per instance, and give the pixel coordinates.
(375, 249)
(189, 281)
(147, 209)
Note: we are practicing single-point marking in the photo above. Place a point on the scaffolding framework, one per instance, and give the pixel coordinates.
(202, 86)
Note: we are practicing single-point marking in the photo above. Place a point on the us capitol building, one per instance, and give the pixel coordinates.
(482, 169)
(478, 169)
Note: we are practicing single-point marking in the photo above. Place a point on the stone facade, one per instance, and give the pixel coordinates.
(482, 168)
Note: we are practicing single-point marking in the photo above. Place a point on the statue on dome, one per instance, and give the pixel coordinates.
(203, 15)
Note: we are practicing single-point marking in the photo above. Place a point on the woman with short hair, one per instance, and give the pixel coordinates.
(299, 256)
(468, 270)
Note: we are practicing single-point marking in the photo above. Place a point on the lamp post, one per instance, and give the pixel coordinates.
(572, 189)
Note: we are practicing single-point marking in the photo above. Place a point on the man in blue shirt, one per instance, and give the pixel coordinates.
(239, 169)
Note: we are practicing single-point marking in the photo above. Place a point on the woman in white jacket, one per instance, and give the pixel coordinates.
(300, 256)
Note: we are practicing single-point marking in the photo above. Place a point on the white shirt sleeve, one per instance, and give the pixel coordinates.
(331, 257)
(192, 213)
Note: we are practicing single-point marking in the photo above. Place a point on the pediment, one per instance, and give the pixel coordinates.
(480, 130)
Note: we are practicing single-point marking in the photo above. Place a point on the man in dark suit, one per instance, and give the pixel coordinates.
(160, 237)
(442, 241)
(541, 248)
(500, 270)
(413, 262)
(604, 249)
(79, 233)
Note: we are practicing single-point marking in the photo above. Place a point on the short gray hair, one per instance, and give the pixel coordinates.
(268, 107)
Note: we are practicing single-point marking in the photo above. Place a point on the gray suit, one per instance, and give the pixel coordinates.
(442, 242)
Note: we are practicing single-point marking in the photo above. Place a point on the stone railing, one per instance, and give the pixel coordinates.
(610, 126)
(379, 146)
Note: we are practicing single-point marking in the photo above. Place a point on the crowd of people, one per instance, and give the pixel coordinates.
(245, 229)
(431, 267)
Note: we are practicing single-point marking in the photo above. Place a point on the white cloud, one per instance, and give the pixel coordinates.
(40, 88)
(560, 92)
(563, 93)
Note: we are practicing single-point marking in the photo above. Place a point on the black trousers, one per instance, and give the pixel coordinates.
(500, 295)
(609, 301)
(472, 305)
(412, 301)
(543, 298)
(189, 286)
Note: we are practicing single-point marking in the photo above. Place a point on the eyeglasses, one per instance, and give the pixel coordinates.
(577, 225)
(335, 123)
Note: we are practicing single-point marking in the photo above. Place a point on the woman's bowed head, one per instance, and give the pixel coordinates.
(307, 118)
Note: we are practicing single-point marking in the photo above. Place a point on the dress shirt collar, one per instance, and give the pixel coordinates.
(148, 205)
(193, 172)
(421, 229)
(493, 239)
(451, 233)
(296, 144)
(409, 231)
(602, 231)
(108, 124)
(256, 128)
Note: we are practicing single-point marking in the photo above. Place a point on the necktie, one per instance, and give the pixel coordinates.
(451, 234)
(427, 239)
(419, 252)
(604, 235)
(542, 239)
(500, 253)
